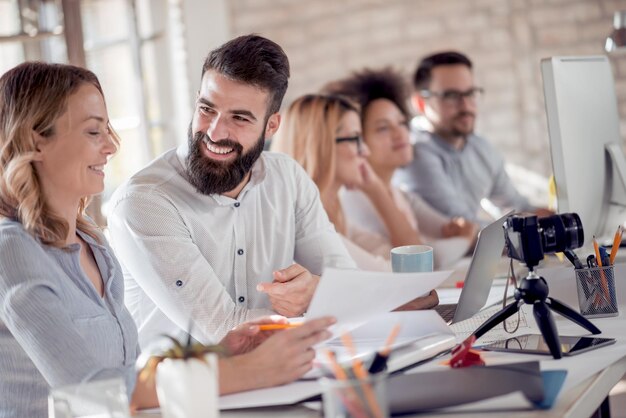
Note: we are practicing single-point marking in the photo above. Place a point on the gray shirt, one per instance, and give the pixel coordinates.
(55, 329)
(455, 181)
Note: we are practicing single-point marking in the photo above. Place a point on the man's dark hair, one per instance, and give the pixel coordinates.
(253, 60)
(423, 74)
(368, 85)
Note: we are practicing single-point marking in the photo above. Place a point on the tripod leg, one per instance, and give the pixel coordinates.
(544, 319)
(572, 315)
(497, 318)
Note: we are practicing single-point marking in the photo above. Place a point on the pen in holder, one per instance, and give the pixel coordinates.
(596, 291)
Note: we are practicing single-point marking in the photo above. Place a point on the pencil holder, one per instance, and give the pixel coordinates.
(596, 292)
(355, 398)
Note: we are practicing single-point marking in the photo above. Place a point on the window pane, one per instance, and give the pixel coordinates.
(9, 18)
(114, 67)
(104, 21)
(11, 54)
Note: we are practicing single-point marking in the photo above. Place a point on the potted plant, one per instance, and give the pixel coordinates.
(187, 380)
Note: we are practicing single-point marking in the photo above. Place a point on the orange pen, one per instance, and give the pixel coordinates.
(273, 327)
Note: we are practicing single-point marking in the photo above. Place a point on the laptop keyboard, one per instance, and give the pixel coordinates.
(446, 311)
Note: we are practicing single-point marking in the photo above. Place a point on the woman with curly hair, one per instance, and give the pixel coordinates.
(382, 97)
(62, 314)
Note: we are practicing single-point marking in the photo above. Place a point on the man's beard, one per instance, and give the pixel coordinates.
(455, 129)
(217, 177)
(463, 130)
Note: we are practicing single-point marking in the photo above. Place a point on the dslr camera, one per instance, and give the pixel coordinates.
(528, 238)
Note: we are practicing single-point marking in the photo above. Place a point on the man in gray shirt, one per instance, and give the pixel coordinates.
(454, 169)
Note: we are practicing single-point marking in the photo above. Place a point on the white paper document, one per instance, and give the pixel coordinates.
(355, 297)
(423, 335)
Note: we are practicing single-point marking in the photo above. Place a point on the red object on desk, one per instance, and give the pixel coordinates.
(459, 284)
(464, 356)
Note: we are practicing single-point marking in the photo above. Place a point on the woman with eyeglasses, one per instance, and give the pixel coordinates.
(323, 133)
(381, 95)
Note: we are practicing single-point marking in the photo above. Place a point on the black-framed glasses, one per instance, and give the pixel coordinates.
(356, 138)
(454, 96)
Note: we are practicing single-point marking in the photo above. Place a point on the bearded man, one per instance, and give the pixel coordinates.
(454, 169)
(217, 232)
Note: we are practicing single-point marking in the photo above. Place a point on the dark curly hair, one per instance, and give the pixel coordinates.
(368, 85)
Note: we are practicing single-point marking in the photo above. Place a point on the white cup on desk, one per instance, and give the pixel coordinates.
(412, 259)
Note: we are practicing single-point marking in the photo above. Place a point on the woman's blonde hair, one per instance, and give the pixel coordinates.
(33, 96)
(308, 131)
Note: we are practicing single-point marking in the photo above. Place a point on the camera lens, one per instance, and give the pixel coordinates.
(561, 232)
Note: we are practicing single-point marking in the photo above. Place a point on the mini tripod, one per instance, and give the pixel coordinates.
(533, 290)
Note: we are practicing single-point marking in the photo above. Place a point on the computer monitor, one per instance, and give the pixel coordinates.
(585, 142)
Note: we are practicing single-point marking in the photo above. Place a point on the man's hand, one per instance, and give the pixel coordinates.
(291, 291)
(248, 336)
(425, 302)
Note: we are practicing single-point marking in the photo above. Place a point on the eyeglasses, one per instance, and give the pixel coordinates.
(454, 97)
(357, 138)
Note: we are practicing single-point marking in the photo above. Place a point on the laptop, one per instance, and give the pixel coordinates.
(480, 274)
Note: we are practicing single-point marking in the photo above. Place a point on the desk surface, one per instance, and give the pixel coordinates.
(579, 402)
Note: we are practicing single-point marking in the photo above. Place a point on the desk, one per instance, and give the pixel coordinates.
(579, 401)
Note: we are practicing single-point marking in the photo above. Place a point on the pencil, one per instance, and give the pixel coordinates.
(272, 327)
(340, 374)
(616, 242)
(361, 374)
(605, 284)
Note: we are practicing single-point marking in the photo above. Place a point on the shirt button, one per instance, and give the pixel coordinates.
(241, 299)
(237, 204)
(240, 251)
(179, 283)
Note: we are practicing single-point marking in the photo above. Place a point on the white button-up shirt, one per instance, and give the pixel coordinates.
(196, 259)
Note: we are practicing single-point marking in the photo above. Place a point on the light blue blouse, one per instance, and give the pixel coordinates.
(55, 329)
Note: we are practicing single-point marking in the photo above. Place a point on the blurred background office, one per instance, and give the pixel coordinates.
(148, 55)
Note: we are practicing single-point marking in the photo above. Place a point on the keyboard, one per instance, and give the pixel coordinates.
(446, 311)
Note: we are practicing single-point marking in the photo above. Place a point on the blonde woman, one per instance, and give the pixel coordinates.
(381, 95)
(62, 314)
(323, 133)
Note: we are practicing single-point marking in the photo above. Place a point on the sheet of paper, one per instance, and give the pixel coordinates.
(355, 297)
(279, 395)
(423, 334)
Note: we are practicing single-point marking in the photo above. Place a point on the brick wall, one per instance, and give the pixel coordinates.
(325, 39)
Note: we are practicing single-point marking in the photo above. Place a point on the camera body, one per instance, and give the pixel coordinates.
(528, 238)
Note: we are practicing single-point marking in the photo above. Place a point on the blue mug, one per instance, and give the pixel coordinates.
(412, 259)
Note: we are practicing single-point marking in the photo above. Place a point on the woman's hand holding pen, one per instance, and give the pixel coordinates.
(282, 358)
(249, 335)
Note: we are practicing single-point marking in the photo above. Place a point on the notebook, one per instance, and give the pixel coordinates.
(480, 274)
